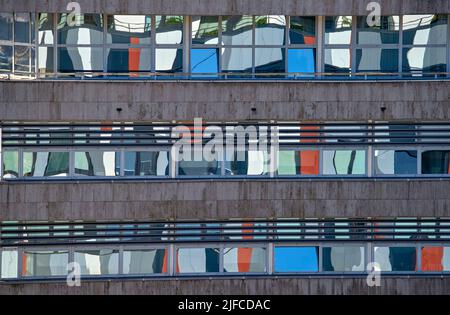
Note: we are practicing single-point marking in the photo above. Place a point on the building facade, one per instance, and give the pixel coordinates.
(237, 147)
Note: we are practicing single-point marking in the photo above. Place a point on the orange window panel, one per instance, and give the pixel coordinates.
(134, 57)
(432, 258)
(309, 160)
(309, 40)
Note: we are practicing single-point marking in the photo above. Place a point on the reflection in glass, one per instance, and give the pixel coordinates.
(10, 261)
(128, 59)
(6, 26)
(270, 60)
(435, 258)
(199, 168)
(424, 29)
(244, 259)
(24, 59)
(96, 163)
(195, 260)
(296, 259)
(298, 162)
(205, 30)
(169, 29)
(301, 61)
(85, 29)
(236, 59)
(270, 30)
(338, 30)
(395, 162)
(23, 28)
(39, 164)
(247, 163)
(10, 161)
(144, 261)
(6, 58)
(436, 162)
(204, 61)
(98, 261)
(337, 60)
(146, 163)
(44, 263)
(396, 258)
(302, 30)
(46, 57)
(237, 30)
(45, 27)
(425, 59)
(376, 60)
(169, 60)
(385, 33)
(72, 59)
(344, 162)
(343, 258)
(128, 29)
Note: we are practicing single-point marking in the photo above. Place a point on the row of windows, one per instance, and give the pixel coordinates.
(240, 46)
(234, 258)
(294, 162)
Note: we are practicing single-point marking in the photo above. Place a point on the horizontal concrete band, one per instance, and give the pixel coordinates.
(223, 200)
(389, 285)
(156, 101)
(222, 7)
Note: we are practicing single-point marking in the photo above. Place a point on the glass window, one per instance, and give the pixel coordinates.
(46, 57)
(22, 28)
(73, 59)
(41, 164)
(169, 60)
(5, 58)
(45, 27)
(237, 30)
(424, 29)
(377, 60)
(425, 59)
(435, 258)
(344, 162)
(270, 60)
(10, 164)
(144, 261)
(6, 26)
(9, 263)
(204, 61)
(85, 29)
(390, 162)
(98, 261)
(205, 30)
(343, 258)
(128, 59)
(169, 29)
(44, 263)
(197, 260)
(96, 163)
(337, 60)
(247, 163)
(301, 61)
(296, 259)
(270, 30)
(338, 30)
(244, 259)
(436, 162)
(396, 258)
(24, 59)
(302, 30)
(385, 33)
(129, 29)
(237, 59)
(146, 163)
(292, 162)
(192, 167)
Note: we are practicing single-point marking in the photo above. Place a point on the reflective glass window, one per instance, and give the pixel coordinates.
(45, 29)
(377, 60)
(6, 26)
(296, 259)
(10, 164)
(270, 60)
(24, 59)
(237, 59)
(129, 29)
(204, 61)
(80, 59)
(46, 59)
(425, 59)
(44, 263)
(390, 162)
(301, 61)
(338, 30)
(146, 163)
(199, 168)
(23, 28)
(302, 30)
(144, 261)
(169, 60)
(98, 261)
(396, 258)
(197, 260)
(5, 58)
(169, 29)
(424, 29)
(84, 29)
(344, 162)
(40, 164)
(244, 259)
(337, 60)
(343, 258)
(96, 163)
(270, 30)
(247, 163)
(292, 162)
(435, 258)
(436, 162)
(10, 260)
(205, 30)
(128, 59)
(237, 30)
(387, 32)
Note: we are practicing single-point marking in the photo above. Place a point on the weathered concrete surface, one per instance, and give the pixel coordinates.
(155, 101)
(218, 7)
(223, 199)
(337, 286)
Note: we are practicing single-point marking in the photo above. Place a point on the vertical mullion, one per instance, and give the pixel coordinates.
(187, 38)
(104, 53)
(448, 45)
(13, 58)
(253, 46)
(400, 47)
(320, 35)
(353, 38)
(219, 43)
(55, 44)
(286, 43)
(36, 45)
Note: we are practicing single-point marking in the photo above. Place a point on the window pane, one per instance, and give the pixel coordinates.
(424, 29)
(169, 60)
(22, 27)
(247, 163)
(302, 30)
(386, 33)
(128, 59)
(237, 59)
(169, 29)
(343, 258)
(435, 258)
(86, 29)
(204, 61)
(96, 163)
(296, 259)
(344, 162)
(377, 60)
(396, 258)
(302, 61)
(337, 60)
(128, 29)
(38, 164)
(205, 30)
(24, 59)
(73, 59)
(436, 162)
(45, 25)
(192, 167)
(298, 162)
(270, 60)
(237, 30)
(270, 30)
(6, 20)
(195, 260)
(46, 57)
(9, 264)
(425, 59)
(338, 30)
(244, 259)
(144, 261)
(10, 164)
(390, 162)
(146, 163)
(6, 58)
(98, 261)
(44, 263)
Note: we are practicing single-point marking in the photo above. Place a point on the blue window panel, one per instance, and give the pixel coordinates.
(301, 60)
(405, 162)
(296, 259)
(204, 61)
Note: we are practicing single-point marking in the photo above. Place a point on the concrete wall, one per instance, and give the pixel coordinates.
(223, 7)
(225, 287)
(154, 101)
(223, 199)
